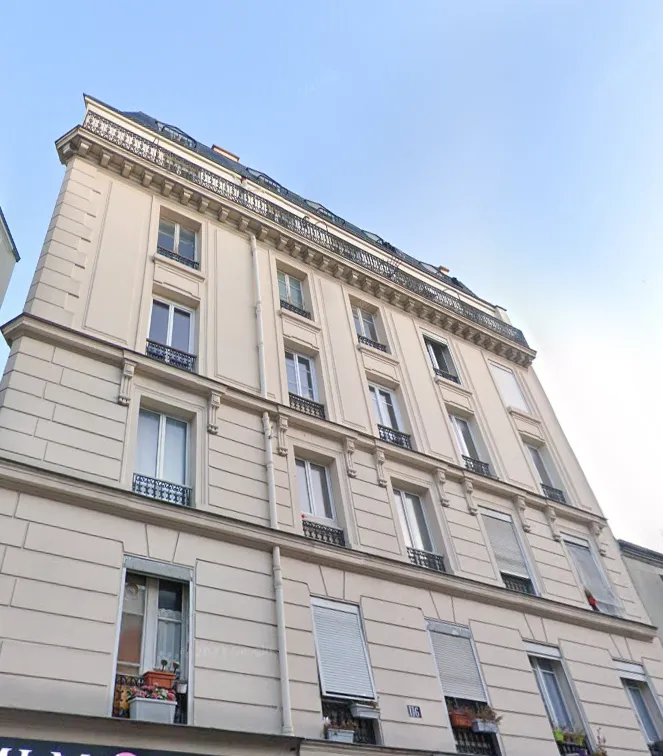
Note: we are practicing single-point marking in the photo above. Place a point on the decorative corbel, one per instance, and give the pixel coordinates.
(243, 224)
(124, 397)
(597, 530)
(84, 147)
(147, 178)
(127, 167)
(213, 404)
(262, 233)
(469, 490)
(203, 204)
(551, 514)
(105, 158)
(521, 509)
(282, 443)
(339, 270)
(379, 466)
(349, 445)
(440, 480)
(223, 214)
(167, 187)
(280, 244)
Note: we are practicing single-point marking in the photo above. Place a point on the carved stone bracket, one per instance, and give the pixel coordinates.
(521, 509)
(379, 466)
(282, 444)
(349, 447)
(440, 480)
(597, 530)
(551, 514)
(213, 404)
(124, 397)
(469, 490)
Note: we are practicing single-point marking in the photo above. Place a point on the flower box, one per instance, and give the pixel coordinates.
(159, 678)
(460, 719)
(483, 725)
(364, 711)
(340, 736)
(152, 710)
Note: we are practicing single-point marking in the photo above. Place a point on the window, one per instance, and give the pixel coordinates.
(597, 589)
(541, 469)
(177, 241)
(556, 694)
(384, 406)
(464, 437)
(508, 552)
(341, 651)
(456, 662)
(314, 489)
(413, 521)
(291, 290)
(301, 375)
(543, 466)
(440, 357)
(364, 324)
(645, 708)
(509, 388)
(171, 326)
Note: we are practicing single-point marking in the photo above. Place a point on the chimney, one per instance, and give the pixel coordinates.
(444, 270)
(225, 153)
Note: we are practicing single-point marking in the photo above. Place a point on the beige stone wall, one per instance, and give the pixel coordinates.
(7, 263)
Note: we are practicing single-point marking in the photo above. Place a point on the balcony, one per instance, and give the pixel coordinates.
(373, 344)
(572, 748)
(468, 741)
(426, 559)
(124, 683)
(339, 712)
(174, 256)
(478, 467)
(392, 436)
(323, 533)
(554, 494)
(285, 305)
(518, 584)
(171, 356)
(447, 376)
(307, 406)
(162, 490)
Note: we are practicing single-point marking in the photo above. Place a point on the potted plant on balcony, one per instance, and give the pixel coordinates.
(486, 719)
(148, 703)
(341, 731)
(160, 678)
(601, 749)
(365, 710)
(461, 717)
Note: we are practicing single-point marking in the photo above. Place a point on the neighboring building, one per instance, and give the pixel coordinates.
(8, 256)
(241, 434)
(646, 570)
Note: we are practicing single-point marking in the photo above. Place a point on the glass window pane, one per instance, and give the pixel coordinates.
(444, 359)
(296, 296)
(302, 487)
(180, 338)
(131, 629)
(147, 443)
(639, 702)
(540, 467)
(174, 457)
(405, 526)
(283, 287)
(159, 323)
(170, 596)
(305, 377)
(321, 498)
(166, 235)
(187, 245)
(357, 320)
(291, 370)
(388, 409)
(169, 642)
(559, 711)
(376, 406)
(467, 440)
(417, 521)
(509, 388)
(369, 326)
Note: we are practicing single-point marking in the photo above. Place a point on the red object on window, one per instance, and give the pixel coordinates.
(592, 601)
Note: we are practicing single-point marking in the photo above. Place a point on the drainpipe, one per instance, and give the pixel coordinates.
(277, 573)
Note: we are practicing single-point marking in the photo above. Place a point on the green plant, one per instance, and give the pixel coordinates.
(600, 749)
(488, 714)
(164, 665)
(558, 734)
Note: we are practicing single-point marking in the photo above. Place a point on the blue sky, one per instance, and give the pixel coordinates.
(517, 142)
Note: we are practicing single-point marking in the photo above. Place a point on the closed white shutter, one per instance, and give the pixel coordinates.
(456, 663)
(509, 388)
(504, 542)
(342, 658)
(593, 578)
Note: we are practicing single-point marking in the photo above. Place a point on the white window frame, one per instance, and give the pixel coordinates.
(465, 452)
(379, 420)
(358, 314)
(288, 277)
(399, 493)
(462, 631)
(552, 479)
(311, 362)
(494, 367)
(429, 343)
(567, 696)
(649, 700)
(351, 609)
(309, 487)
(586, 543)
(172, 306)
(521, 543)
(161, 444)
(176, 240)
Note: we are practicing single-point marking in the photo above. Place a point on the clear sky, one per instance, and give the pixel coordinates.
(517, 142)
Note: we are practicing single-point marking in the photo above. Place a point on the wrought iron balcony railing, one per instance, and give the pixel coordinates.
(162, 490)
(447, 376)
(553, 493)
(369, 342)
(124, 683)
(338, 712)
(307, 406)
(285, 305)
(478, 467)
(392, 436)
(572, 748)
(467, 741)
(426, 559)
(518, 584)
(171, 356)
(323, 533)
(180, 259)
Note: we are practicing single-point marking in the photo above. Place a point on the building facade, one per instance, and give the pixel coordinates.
(646, 570)
(248, 442)
(8, 256)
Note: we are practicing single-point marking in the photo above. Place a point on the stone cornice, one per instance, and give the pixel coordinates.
(119, 502)
(137, 158)
(641, 554)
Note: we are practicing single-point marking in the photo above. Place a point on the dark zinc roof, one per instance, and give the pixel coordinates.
(315, 208)
(5, 225)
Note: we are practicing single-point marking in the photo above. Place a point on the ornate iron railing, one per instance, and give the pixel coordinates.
(171, 356)
(470, 742)
(426, 559)
(293, 308)
(553, 493)
(123, 685)
(518, 584)
(392, 436)
(656, 749)
(369, 342)
(476, 466)
(180, 259)
(572, 748)
(338, 712)
(324, 533)
(448, 376)
(307, 406)
(162, 490)
(150, 150)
